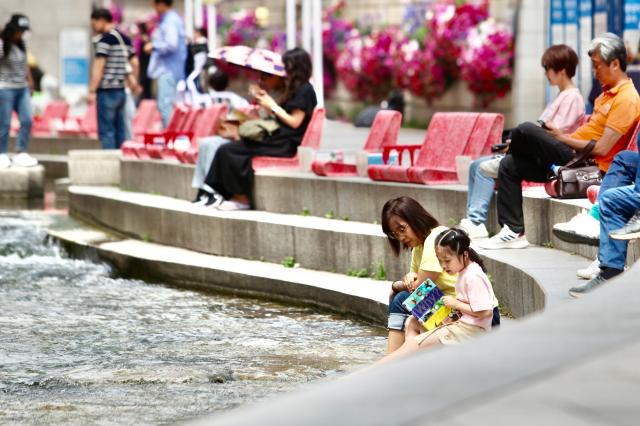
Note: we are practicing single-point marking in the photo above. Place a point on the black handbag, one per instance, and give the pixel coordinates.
(573, 179)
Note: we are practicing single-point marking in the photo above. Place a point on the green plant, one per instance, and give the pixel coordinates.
(289, 262)
(379, 273)
(345, 217)
(452, 222)
(146, 238)
(360, 273)
(305, 212)
(375, 222)
(548, 244)
(330, 215)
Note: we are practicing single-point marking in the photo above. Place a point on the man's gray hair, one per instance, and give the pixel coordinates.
(609, 47)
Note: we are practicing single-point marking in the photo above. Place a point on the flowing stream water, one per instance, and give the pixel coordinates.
(78, 345)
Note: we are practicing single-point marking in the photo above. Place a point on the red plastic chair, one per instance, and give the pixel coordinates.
(383, 133)
(206, 125)
(41, 124)
(87, 125)
(441, 168)
(311, 139)
(446, 137)
(180, 123)
(138, 149)
(147, 118)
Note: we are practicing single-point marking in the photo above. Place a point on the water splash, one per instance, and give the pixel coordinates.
(79, 346)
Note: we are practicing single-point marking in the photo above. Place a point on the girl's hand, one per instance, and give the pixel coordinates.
(450, 302)
(410, 281)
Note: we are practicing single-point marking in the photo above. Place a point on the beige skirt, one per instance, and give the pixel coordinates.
(452, 334)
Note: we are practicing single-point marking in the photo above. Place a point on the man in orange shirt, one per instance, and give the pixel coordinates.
(534, 150)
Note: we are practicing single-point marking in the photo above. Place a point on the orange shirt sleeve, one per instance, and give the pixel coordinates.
(623, 112)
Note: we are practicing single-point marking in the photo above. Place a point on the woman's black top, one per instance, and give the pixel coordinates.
(304, 99)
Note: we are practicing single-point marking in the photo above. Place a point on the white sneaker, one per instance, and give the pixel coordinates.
(505, 239)
(581, 229)
(474, 231)
(5, 162)
(491, 167)
(228, 205)
(24, 160)
(591, 271)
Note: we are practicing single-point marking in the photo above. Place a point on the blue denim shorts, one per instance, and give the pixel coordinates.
(397, 313)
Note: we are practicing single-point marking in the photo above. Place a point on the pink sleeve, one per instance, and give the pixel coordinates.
(477, 291)
(569, 113)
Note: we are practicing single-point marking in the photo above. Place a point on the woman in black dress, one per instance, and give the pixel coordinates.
(230, 174)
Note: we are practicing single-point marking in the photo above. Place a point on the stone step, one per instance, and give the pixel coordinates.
(525, 280)
(361, 297)
(58, 145)
(361, 199)
(22, 182)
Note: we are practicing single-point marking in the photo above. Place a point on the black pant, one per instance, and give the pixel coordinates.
(531, 154)
(231, 173)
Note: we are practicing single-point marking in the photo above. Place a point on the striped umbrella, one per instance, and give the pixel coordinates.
(253, 58)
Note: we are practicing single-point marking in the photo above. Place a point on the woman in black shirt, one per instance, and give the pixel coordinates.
(230, 174)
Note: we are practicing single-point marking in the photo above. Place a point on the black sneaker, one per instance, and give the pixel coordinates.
(199, 195)
(582, 289)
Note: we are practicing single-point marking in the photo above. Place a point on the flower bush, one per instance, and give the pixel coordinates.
(335, 32)
(367, 65)
(487, 61)
(438, 44)
(244, 29)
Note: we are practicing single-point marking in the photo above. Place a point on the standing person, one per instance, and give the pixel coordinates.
(16, 86)
(534, 150)
(168, 50)
(230, 174)
(473, 298)
(565, 112)
(114, 67)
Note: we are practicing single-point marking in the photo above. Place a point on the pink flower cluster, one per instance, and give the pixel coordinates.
(367, 65)
(487, 61)
(244, 30)
(447, 29)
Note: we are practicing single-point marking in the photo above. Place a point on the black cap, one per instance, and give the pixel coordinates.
(19, 22)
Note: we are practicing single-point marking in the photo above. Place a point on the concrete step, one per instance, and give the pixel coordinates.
(22, 182)
(55, 165)
(361, 199)
(525, 280)
(361, 297)
(57, 145)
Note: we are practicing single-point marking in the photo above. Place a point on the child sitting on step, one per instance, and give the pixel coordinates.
(474, 297)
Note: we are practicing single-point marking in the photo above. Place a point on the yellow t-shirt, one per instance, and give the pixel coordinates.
(618, 108)
(424, 257)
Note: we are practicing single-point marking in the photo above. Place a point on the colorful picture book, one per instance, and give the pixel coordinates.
(427, 305)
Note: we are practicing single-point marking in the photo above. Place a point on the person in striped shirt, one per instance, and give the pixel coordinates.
(16, 86)
(115, 66)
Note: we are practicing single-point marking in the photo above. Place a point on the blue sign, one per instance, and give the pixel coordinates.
(75, 71)
(632, 14)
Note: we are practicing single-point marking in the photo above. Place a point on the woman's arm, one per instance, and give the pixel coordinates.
(411, 281)
(293, 120)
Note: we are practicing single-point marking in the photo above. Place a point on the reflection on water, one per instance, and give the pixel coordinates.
(80, 346)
